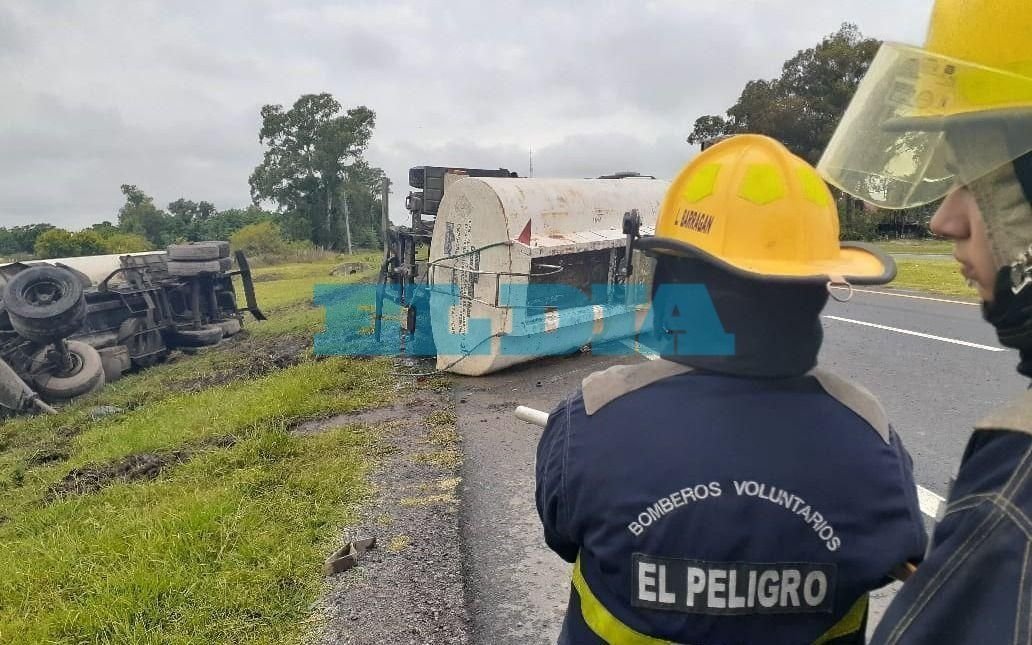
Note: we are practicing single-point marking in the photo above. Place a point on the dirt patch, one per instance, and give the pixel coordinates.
(250, 358)
(411, 589)
(136, 467)
(46, 456)
(267, 277)
(90, 479)
(406, 411)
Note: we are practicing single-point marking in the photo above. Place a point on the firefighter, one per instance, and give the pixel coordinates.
(953, 120)
(730, 492)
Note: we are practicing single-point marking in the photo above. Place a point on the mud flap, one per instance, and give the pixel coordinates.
(381, 288)
(245, 276)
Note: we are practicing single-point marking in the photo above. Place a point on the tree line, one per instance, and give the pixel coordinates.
(801, 108)
(313, 187)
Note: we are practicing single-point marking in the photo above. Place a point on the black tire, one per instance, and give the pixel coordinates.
(223, 247)
(225, 264)
(198, 251)
(204, 336)
(184, 269)
(230, 327)
(45, 303)
(86, 375)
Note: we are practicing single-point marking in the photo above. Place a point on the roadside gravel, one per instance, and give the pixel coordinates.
(409, 589)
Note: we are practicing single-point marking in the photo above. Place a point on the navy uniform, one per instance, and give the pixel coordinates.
(732, 494)
(712, 509)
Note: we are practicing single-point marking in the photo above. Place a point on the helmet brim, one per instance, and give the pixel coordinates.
(857, 263)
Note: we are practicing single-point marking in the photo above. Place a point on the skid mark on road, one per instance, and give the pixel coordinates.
(919, 334)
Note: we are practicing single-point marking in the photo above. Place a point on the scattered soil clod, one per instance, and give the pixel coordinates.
(46, 456)
(136, 467)
(90, 479)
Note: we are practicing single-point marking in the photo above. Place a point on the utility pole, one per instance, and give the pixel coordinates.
(385, 219)
(347, 218)
(531, 173)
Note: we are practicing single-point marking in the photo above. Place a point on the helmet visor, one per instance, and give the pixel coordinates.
(920, 123)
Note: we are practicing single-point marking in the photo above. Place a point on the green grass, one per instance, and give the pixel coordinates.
(285, 293)
(226, 543)
(937, 247)
(934, 276)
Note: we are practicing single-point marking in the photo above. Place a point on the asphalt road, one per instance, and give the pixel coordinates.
(934, 386)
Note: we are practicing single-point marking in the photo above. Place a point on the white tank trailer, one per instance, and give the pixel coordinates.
(96, 267)
(494, 232)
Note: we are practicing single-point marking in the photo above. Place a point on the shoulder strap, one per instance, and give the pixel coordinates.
(1015, 416)
(857, 398)
(602, 388)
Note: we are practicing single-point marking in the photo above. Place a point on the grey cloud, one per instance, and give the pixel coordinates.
(166, 95)
(11, 39)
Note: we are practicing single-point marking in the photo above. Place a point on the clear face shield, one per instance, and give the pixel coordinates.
(921, 123)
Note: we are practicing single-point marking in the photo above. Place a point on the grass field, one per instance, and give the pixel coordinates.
(933, 276)
(192, 514)
(936, 275)
(922, 247)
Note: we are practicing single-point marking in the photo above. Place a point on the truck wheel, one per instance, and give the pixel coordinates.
(222, 246)
(189, 269)
(198, 251)
(45, 303)
(205, 336)
(230, 327)
(85, 375)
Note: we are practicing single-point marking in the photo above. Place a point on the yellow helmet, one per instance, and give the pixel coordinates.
(750, 206)
(959, 108)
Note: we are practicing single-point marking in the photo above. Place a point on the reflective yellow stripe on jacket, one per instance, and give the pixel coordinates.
(609, 628)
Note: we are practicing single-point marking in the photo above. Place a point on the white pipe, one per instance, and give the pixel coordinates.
(931, 504)
(530, 415)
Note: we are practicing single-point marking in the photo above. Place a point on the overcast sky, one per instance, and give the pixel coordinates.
(166, 95)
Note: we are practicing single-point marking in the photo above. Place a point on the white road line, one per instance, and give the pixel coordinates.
(919, 334)
(929, 502)
(907, 295)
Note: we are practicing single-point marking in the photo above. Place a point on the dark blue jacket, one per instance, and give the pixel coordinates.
(975, 586)
(717, 510)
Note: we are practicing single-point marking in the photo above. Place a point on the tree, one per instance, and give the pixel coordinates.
(363, 190)
(222, 225)
(89, 243)
(59, 243)
(802, 107)
(21, 239)
(56, 243)
(263, 238)
(105, 228)
(187, 212)
(310, 149)
(140, 216)
(126, 243)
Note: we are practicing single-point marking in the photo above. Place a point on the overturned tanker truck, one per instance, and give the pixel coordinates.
(70, 325)
(497, 269)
